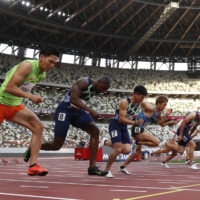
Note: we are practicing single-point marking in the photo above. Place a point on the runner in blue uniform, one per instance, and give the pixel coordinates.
(190, 122)
(149, 114)
(120, 139)
(73, 111)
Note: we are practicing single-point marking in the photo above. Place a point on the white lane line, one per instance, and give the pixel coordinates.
(31, 178)
(174, 182)
(34, 196)
(92, 180)
(29, 186)
(127, 190)
(87, 184)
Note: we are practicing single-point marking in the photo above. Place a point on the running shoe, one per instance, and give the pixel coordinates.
(96, 171)
(36, 170)
(101, 144)
(187, 162)
(193, 166)
(124, 170)
(27, 155)
(165, 165)
(109, 175)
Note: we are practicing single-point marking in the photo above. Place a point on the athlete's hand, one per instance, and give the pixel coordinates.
(36, 99)
(169, 111)
(179, 138)
(94, 114)
(163, 125)
(139, 122)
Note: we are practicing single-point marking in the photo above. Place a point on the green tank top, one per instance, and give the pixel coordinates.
(26, 85)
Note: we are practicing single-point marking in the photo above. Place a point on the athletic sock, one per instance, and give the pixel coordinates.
(122, 167)
(163, 162)
(32, 165)
(105, 142)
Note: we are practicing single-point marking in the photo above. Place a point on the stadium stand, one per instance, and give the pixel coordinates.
(60, 79)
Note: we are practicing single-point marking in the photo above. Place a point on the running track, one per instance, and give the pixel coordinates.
(68, 180)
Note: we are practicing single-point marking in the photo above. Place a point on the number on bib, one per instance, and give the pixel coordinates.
(137, 129)
(61, 116)
(114, 133)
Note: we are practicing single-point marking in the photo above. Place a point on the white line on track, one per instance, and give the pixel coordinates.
(31, 178)
(86, 184)
(174, 182)
(34, 196)
(93, 180)
(127, 190)
(29, 186)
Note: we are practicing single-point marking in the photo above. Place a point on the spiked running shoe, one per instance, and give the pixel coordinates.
(27, 155)
(36, 170)
(124, 170)
(97, 172)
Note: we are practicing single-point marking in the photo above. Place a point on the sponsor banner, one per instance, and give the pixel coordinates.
(108, 150)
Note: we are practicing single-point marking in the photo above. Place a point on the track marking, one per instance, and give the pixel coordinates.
(29, 186)
(153, 195)
(34, 196)
(127, 190)
(173, 182)
(180, 189)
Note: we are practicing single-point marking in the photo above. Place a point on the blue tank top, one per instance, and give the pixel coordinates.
(85, 95)
(192, 122)
(147, 120)
(131, 110)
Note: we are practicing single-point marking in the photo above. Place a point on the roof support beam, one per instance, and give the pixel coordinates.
(189, 27)
(168, 11)
(109, 3)
(115, 14)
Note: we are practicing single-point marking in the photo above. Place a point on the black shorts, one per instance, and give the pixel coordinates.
(136, 130)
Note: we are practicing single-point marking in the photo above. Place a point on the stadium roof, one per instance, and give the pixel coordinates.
(119, 29)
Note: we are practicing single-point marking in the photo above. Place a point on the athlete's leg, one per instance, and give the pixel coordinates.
(93, 131)
(174, 153)
(164, 150)
(29, 120)
(145, 137)
(108, 143)
(192, 147)
(126, 149)
(117, 149)
(53, 145)
(187, 153)
(173, 147)
(62, 119)
(133, 156)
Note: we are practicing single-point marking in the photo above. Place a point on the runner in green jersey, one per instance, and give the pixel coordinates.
(17, 85)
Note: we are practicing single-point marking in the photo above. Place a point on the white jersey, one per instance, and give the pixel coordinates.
(173, 131)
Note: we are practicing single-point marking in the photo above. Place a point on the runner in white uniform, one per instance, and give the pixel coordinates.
(172, 137)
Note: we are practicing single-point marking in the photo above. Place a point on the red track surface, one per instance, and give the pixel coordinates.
(68, 179)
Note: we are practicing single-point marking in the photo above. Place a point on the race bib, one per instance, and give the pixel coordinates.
(27, 87)
(137, 129)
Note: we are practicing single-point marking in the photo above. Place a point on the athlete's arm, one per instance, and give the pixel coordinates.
(123, 105)
(195, 134)
(76, 91)
(147, 106)
(161, 119)
(193, 128)
(171, 122)
(190, 117)
(19, 75)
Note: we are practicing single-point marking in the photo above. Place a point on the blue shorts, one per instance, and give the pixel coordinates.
(118, 132)
(186, 137)
(65, 116)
